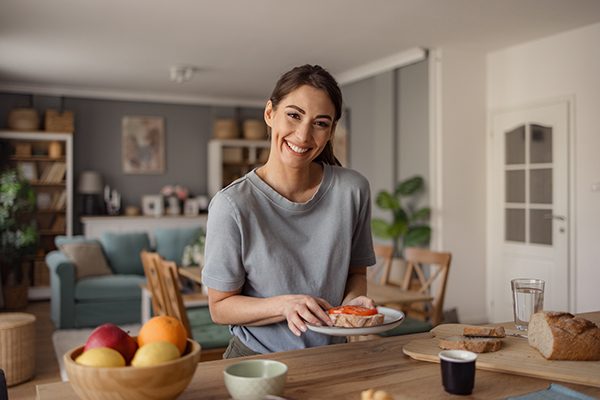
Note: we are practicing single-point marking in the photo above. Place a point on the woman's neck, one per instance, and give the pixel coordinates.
(296, 185)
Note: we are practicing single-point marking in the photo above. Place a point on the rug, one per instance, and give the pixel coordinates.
(67, 339)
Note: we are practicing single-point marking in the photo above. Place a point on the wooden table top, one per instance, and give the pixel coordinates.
(343, 371)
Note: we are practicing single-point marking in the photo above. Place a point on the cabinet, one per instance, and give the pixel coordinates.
(229, 159)
(46, 158)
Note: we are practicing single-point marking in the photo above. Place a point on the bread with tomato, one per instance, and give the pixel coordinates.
(355, 316)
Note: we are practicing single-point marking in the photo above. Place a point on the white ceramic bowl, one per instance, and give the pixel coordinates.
(255, 379)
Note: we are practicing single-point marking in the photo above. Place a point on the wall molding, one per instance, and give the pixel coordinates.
(382, 65)
(149, 97)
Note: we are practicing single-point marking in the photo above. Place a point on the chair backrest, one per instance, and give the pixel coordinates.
(174, 300)
(415, 279)
(151, 262)
(379, 273)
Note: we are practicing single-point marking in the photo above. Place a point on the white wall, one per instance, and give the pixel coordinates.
(563, 65)
(462, 180)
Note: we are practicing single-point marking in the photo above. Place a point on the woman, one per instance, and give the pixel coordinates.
(292, 238)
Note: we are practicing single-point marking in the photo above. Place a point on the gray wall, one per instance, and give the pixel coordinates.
(97, 141)
(389, 128)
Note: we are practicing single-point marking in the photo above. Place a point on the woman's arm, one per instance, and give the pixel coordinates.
(232, 308)
(356, 288)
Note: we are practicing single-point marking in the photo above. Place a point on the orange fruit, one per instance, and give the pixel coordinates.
(167, 329)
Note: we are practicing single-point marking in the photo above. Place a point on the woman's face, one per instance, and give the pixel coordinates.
(300, 126)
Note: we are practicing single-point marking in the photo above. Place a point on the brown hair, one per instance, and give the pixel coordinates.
(319, 78)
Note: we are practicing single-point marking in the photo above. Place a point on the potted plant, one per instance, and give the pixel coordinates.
(19, 235)
(408, 227)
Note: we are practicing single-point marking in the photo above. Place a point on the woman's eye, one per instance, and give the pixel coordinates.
(293, 115)
(322, 124)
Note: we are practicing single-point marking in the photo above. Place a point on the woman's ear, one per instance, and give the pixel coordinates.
(269, 114)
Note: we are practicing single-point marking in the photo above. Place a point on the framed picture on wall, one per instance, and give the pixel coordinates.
(191, 207)
(152, 204)
(143, 145)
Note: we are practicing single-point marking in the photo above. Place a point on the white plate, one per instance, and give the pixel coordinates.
(392, 319)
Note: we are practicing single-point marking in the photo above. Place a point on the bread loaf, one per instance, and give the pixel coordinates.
(561, 336)
(356, 321)
(474, 344)
(479, 331)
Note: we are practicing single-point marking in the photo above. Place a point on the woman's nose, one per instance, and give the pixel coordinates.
(304, 132)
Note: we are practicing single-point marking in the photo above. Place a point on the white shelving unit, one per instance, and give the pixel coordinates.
(52, 221)
(229, 159)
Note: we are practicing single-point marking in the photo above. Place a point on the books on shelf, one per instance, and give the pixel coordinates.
(58, 224)
(59, 200)
(53, 173)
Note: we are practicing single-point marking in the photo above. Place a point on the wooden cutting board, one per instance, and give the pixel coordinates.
(514, 357)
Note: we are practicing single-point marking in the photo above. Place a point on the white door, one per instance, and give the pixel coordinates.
(529, 189)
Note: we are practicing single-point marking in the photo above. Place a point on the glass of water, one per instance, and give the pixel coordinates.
(528, 298)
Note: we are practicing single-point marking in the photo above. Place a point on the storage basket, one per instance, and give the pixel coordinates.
(15, 296)
(57, 122)
(41, 273)
(227, 129)
(17, 347)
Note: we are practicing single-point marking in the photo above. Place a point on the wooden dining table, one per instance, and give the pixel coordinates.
(343, 371)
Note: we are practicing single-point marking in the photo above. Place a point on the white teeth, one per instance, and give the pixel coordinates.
(296, 148)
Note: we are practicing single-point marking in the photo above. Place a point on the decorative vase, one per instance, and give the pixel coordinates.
(54, 149)
(174, 206)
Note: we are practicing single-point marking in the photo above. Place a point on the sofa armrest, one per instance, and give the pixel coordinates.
(62, 284)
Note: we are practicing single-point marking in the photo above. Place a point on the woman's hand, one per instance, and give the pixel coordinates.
(301, 309)
(362, 301)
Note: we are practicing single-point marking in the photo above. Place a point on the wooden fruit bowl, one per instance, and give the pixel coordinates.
(159, 382)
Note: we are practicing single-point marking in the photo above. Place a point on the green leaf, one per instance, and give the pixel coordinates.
(417, 236)
(386, 201)
(399, 228)
(380, 228)
(422, 213)
(400, 215)
(409, 186)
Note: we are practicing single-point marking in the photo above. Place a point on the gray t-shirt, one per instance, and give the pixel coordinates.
(271, 246)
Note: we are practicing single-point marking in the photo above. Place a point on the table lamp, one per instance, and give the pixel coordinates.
(90, 185)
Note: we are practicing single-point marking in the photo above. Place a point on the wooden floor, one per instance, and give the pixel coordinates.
(46, 366)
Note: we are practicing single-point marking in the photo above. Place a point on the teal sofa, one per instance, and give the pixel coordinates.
(116, 295)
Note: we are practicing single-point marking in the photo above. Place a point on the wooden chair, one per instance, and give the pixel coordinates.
(379, 273)
(213, 338)
(151, 262)
(415, 279)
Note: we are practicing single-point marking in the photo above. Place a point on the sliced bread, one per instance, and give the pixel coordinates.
(356, 321)
(482, 331)
(474, 344)
(561, 336)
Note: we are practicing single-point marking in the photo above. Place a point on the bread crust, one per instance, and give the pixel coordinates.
(356, 321)
(474, 344)
(482, 331)
(560, 335)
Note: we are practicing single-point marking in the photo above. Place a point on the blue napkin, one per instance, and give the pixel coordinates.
(554, 392)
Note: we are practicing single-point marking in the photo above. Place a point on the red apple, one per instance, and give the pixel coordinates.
(111, 336)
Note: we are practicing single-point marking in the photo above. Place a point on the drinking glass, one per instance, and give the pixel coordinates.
(528, 298)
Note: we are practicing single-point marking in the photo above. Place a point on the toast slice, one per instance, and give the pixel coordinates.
(356, 321)
(482, 331)
(474, 344)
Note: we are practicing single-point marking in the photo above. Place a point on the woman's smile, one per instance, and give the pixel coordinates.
(297, 149)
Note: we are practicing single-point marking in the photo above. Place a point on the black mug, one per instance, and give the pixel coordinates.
(458, 371)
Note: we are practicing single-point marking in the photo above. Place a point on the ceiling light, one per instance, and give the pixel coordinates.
(182, 73)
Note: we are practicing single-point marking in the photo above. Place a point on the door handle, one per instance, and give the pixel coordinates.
(552, 216)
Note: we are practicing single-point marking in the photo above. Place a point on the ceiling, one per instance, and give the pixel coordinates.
(124, 48)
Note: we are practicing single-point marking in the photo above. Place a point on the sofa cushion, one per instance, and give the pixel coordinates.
(110, 288)
(123, 251)
(87, 257)
(170, 243)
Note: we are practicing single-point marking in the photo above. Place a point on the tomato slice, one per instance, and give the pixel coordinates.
(353, 310)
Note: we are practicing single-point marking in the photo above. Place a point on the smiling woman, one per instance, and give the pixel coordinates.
(291, 239)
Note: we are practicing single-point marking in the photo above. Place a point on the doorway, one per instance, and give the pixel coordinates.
(529, 205)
